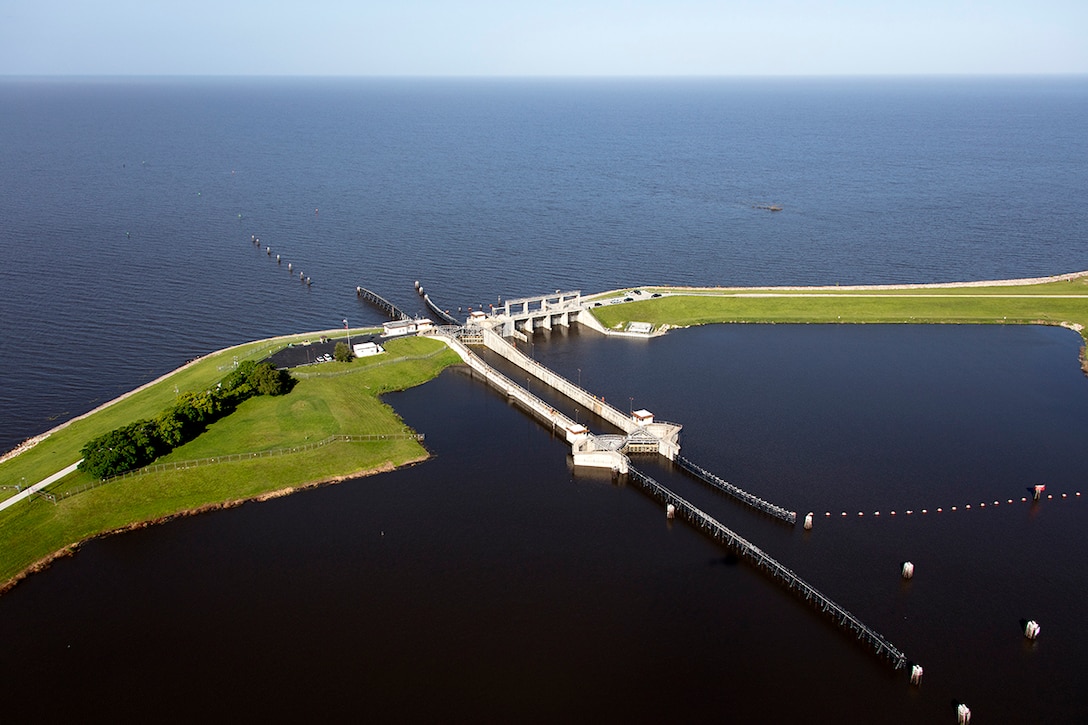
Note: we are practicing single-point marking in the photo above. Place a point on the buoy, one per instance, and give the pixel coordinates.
(1031, 629)
(808, 521)
(289, 266)
(308, 282)
(963, 714)
(916, 675)
(277, 259)
(908, 570)
(670, 511)
(301, 276)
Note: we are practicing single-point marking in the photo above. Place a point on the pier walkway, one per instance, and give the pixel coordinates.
(768, 564)
(394, 312)
(587, 449)
(642, 435)
(667, 434)
(736, 492)
(609, 451)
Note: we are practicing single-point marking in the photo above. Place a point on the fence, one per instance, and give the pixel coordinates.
(236, 457)
(359, 368)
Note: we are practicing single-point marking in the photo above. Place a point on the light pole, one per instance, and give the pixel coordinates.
(349, 334)
(631, 406)
(579, 377)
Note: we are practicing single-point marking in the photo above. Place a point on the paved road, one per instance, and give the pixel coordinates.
(30, 491)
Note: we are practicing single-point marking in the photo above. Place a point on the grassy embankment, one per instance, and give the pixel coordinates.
(330, 399)
(1050, 303)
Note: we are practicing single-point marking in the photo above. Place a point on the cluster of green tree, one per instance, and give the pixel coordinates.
(138, 444)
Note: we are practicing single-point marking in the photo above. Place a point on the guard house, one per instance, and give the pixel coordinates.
(405, 327)
(477, 316)
(366, 349)
(642, 417)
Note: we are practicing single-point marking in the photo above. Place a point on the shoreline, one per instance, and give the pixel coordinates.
(72, 549)
(29, 443)
(1025, 302)
(1019, 282)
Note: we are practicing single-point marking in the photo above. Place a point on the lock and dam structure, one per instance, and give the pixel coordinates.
(640, 433)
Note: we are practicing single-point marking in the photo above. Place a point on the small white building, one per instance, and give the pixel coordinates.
(366, 349)
(405, 327)
(642, 417)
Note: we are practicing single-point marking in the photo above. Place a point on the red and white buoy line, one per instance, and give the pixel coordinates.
(1039, 496)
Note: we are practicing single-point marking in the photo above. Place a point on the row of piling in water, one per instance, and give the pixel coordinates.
(279, 260)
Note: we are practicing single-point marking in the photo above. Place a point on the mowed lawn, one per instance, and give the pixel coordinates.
(332, 398)
(1051, 303)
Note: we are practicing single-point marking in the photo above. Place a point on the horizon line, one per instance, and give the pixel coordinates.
(544, 76)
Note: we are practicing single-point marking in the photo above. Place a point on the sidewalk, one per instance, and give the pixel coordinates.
(30, 491)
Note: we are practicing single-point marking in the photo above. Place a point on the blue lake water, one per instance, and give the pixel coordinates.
(504, 583)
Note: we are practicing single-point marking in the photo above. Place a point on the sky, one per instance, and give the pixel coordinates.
(543, 37)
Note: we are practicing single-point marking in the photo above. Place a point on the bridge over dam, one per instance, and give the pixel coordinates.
(610, 451)
(515, 318)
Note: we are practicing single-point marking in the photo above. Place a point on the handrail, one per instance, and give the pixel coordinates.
(737, 492)
(766, 562)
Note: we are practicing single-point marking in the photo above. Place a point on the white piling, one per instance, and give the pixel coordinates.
(908, 570)
(916, 675)
(1039, 488)
(963, 714)
(808, 521)
(670, 511)
(1031, 629)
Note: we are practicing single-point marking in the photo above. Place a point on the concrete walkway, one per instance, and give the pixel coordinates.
(30, 491)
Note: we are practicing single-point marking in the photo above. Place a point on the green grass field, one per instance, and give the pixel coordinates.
(332, 398)
(1051, 303)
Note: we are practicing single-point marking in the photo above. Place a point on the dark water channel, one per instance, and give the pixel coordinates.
(493, 581)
